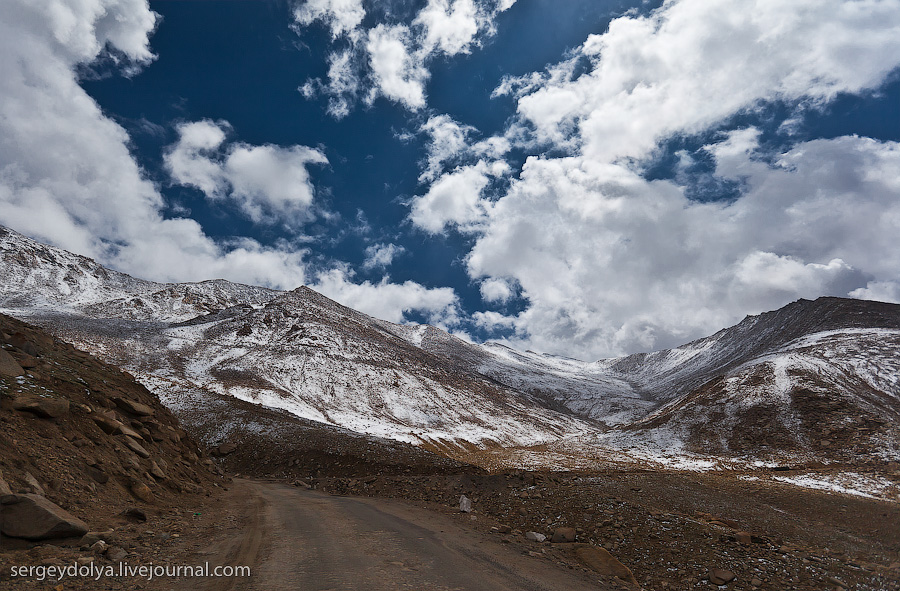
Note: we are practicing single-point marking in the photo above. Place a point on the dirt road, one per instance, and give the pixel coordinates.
(299, 539)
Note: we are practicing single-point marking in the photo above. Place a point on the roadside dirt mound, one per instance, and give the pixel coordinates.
(82, 440)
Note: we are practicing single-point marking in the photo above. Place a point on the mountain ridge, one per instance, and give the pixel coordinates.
(302, 352)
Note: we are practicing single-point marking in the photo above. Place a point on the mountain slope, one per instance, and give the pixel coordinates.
(782, 382)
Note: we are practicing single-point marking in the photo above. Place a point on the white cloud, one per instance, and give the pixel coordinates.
(448, 26)
(399, 75)
(496, 290)
(880, 291)
(390, 301)
(381, 255)
(342, 16)
(391, 59)
(691, 63)
(455, 198)
(269, 183)
(449, 139)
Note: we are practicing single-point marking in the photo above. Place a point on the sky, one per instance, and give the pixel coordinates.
(589, 178)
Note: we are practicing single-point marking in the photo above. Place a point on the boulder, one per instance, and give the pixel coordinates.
(135, 408)
(33, 517)
(563, 535)
(9, 366)
(136, 447)
(720, 576)
(49, 407)
(141, 491)
(97, 473)
(224, 449)
(107, 424)
(465, 504)
(533, 536)
(604, 563)
(156, 471)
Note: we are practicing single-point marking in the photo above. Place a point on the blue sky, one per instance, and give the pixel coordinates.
(590, 179)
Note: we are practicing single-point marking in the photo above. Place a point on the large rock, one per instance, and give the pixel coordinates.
(224, 449)
(9, 366)
(720, 576)
(133, 407)
(136, 447)
(563, 535)
(533, 536)
(49, 407)
(601, 561)
(107, 424)
(141, 491)
(33, 517)
(4, 487)
(465, 504)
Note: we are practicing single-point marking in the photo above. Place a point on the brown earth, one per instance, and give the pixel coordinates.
(95, 443)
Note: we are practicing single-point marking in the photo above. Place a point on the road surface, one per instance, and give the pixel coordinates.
(298, 539)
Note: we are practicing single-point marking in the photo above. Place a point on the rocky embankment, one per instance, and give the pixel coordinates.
(86, 452)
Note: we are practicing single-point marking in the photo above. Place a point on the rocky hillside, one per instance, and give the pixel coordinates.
(83, 446)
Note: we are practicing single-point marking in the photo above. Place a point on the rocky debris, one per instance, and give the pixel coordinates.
(223, 450)
(563, 535)
(9, 366)
(134, 514)
(135, 408)
(33, 517)
(720, 576)
(465, 504)
(97, 474)
(4, 487)
(32, 486)
(136, 447)
(116, 554)
(533, 536)
(156, 471)
(601, 561)
(99, 547)
(744, 538)
(50, 407)
(140, 490)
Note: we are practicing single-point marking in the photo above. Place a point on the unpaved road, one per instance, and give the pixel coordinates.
(299, 539)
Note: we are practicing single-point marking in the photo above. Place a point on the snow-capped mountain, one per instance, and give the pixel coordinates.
(817, 378)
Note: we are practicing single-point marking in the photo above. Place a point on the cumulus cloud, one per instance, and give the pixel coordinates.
(495, 290)
(390, 301)
(450, 27)
(455, 198)
(379, 256)
(397, 73)
(269, 183)
(391, 59)
(448, 139)
(341, 16)
(692, 63)
(67, 177)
